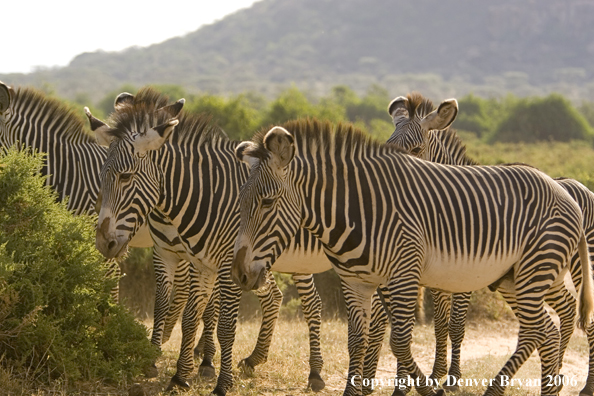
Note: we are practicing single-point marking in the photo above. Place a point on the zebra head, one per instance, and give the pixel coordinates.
(130, 179)
(270, 209)
(6, 98)
(413, 118)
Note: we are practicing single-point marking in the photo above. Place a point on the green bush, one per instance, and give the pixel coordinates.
(57, 319)
(542, 119)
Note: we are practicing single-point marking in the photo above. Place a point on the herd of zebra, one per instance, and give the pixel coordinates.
(219, 213)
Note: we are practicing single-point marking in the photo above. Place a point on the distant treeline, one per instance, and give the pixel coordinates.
(507, 119)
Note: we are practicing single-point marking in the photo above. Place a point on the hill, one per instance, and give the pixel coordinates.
(526, 46)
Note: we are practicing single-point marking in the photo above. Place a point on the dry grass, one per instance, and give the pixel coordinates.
(486, 348)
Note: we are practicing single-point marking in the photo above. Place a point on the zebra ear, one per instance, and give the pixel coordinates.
(4, 97)
(242, 156)
(398, 108)
(281, 145)
(155, 137)
(174, 109)
(442, 117)
(100, 128)
(122, 100)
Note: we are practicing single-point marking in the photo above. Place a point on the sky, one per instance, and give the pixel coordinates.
(42, 33)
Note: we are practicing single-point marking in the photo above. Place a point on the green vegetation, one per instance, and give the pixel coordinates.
(57, 320)
(538, 119)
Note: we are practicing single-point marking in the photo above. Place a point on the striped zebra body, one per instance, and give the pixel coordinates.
(191, 175)
(73, 163)
(445, 147)
(403, 223)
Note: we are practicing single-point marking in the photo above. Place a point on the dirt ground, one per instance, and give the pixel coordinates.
(485, 349)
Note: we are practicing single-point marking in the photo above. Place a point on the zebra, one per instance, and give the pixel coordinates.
(73, 163)
(192, 177)
(434, 141)
(405, 222)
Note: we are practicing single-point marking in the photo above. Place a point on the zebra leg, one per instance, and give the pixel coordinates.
(564, 305)
(537, 330)
(403, 289)
(377, 330)
(271, 299)
(202, 282)
(358, 301)
(456, 327)
(311, 306)
(589, 386)
(441, 316)
(162, 297)
(177, 299)
(114, 270)
(206, 345)
(230, 296)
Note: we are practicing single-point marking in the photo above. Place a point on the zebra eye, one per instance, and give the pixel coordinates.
(415, 151)
(267, 202)
(125, 177)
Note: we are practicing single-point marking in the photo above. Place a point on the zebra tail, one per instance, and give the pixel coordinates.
(587, 289)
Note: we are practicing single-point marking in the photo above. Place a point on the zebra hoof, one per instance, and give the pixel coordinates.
(398, 392)
(207, 371)
(586, 392)
(218, 392)
(151, 371)
(440, 392)
(315, 382)
(246, 368)
(177, 384)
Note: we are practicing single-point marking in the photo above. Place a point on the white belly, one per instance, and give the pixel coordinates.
(302, 263)
(463, 274)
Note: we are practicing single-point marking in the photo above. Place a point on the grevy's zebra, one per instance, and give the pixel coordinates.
(385, 217)
(73, 162)
(416, 134)
(192, 177)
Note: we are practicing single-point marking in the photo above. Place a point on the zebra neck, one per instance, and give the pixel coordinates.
(446, 147)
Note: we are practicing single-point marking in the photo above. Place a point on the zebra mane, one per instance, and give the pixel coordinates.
(143, 112)
(454, 145)
(314, 135)
(72, 125)
(418, 104)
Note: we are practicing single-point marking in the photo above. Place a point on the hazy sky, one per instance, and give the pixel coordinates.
(51, 33)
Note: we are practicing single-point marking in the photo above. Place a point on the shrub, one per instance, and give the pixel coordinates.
(57, 320)
(541, 119)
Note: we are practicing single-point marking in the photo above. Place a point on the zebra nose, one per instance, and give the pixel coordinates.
(112, 244)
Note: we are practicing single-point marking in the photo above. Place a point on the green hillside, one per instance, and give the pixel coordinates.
(439, 48)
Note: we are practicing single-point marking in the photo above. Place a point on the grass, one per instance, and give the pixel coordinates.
(486, 348)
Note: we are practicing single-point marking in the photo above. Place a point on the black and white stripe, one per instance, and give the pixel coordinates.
(386, 218)
(184, 167)
(440, 144)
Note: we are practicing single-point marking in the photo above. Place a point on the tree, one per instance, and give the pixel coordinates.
(538, 119)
